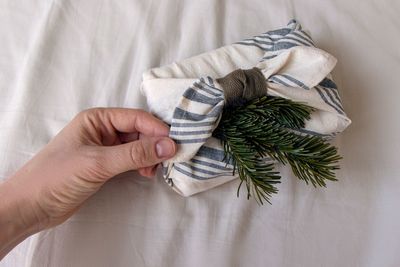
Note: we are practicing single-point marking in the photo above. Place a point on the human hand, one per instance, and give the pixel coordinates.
(95, 146)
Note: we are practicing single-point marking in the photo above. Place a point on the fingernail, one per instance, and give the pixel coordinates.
(164, 148)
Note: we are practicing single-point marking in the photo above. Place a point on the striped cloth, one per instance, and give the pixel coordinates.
(293, 68)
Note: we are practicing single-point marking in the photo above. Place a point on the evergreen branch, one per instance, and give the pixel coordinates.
(264, 128)
(257, 175)
(286, 112)
(315, 162)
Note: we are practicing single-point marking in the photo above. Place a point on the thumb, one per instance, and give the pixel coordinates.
(147, 151)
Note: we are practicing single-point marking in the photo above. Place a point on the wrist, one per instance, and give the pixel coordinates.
(18, 218)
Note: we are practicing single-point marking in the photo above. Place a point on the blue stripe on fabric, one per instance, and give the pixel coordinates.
(264, 36)
(283, 45)
(210, 81)
(275, 47)
(336, 94)
(327, 91)
(254, 44)
(209, 164)
(197, 169)
(297, 40)
(212, 87)
(330, 84)
(192, 124)
(275, 40)
(281, 32)
(212, 91)
(294, 80)
(327, 102)
(305, 33)
(164, 171)
(202, 84)
(268, 57)
(212, 153)
(190, 141)
(326, 82)
(186, 115)
(278, 45)
(292, 32)
(196, 96)
(277, 80)
(310, 41)
(190, 132)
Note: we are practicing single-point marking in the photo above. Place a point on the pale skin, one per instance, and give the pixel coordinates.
(94, 147)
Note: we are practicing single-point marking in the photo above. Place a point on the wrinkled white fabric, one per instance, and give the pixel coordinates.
(59, 57)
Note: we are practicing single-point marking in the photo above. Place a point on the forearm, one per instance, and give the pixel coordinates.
(17, 220)
(95, 146)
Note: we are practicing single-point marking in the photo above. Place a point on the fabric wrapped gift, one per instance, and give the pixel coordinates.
(190, 97)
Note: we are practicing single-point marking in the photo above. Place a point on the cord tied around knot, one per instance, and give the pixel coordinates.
(241, 86)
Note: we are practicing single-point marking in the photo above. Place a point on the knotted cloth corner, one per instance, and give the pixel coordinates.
(241, 86)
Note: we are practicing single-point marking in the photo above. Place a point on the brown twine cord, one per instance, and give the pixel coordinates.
(240, 86)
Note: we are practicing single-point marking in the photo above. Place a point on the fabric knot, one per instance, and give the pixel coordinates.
(240, 86)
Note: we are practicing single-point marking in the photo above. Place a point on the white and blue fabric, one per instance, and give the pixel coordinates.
(293, 68)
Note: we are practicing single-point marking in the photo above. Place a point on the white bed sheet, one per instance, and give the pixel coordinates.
(59, 57)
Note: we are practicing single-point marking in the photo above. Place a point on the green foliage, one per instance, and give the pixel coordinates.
(264, 129)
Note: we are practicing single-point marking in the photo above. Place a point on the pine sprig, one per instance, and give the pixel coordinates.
(265, 128)
(258, 176)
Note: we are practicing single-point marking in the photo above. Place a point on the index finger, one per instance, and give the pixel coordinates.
(127, 120)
